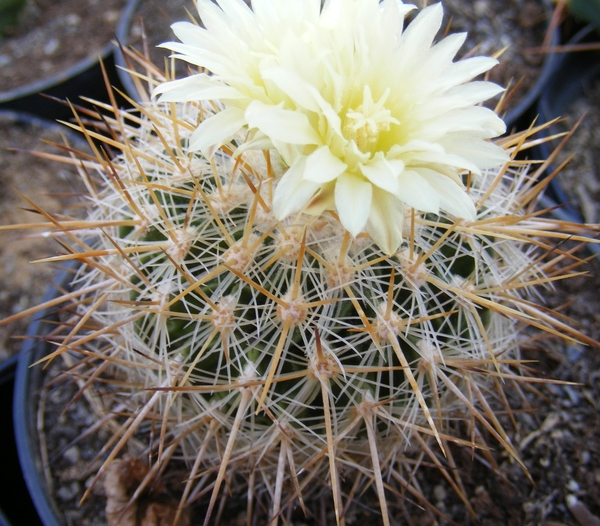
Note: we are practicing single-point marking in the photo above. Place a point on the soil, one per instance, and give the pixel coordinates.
(557, 433)
(54, 35)
(72, 464)
(151, 26)
(509, 26)
(580, 179)
(48, 184)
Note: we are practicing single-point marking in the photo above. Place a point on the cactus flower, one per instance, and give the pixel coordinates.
(370, 117)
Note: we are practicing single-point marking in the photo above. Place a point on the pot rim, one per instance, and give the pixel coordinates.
(567, 81)
(84, 78)
(39, 86)
(562, 88)
(24, 418)
(514, 114)
(550, 103)
(122, 34)
(3, 519)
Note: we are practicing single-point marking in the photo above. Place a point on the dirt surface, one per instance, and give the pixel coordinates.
(151, 26)
(72, 464)
(510, 26)
(48, 184)
(580, 179)
(557, 432)
(53, 36)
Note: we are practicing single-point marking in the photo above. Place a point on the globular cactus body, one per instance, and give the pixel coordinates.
(286, 353)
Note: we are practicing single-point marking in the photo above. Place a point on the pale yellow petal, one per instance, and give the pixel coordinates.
(383, 173)
(322, 166)
(216, 130)
(415, 191)
(292, 192)
(453, 198)
(482, 153)
(353, 198)
(280, 124)
(386, 220)
(195, 88)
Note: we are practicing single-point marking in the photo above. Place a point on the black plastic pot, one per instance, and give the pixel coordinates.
(515, 115)
(123, 41)
(7, 369)
(82, 79)
(3, 519)
(130, 16)
(28, 381)
(573, 73)
(10, 468)
(27, 502)
(16, 507)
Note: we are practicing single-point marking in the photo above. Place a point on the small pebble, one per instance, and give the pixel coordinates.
(51, 46)
(573, 394)
(440, 493)
(573, 486)
(573, 353)
(66, 493)
(111, 16)
(480, 8)
(72, 454)
(73, 19)
(585, 457)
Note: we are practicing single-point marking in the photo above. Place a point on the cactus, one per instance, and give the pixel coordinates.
(586, 10)
(281, 358)
(286, 353)
(9, 14)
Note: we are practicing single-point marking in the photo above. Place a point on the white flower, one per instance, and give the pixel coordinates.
(369, 116)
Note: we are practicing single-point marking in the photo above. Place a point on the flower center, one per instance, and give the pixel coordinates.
(364, 124)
